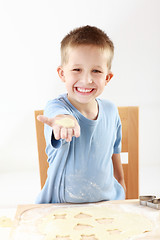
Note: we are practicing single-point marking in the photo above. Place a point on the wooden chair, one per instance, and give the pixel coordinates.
(130, 144)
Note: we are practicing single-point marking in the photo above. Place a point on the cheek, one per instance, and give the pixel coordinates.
(101, 81)
(73, 78)
(69, 81)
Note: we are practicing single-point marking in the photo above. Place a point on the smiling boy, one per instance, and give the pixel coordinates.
(84, 158)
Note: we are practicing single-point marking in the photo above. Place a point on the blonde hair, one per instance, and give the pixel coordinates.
(87, 35)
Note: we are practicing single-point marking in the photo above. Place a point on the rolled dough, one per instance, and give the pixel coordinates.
(65, 122)
(5, 222)
(93, 223)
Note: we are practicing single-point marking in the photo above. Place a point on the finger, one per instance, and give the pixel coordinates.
(77, 130)
(69, 135)
(63, 133)
(44, 119)
(56, 132)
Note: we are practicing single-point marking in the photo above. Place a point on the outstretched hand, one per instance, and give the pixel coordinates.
(64, 126)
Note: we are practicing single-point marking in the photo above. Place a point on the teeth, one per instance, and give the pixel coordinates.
(83, 89)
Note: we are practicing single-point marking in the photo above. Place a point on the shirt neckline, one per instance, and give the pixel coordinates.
(81, 116)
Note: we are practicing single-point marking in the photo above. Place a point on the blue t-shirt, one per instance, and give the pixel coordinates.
(82, 170)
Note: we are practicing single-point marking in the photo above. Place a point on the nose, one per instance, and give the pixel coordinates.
(86, 78)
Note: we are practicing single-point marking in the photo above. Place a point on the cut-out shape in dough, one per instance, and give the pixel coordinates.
(59, 216)
(82, 215)
(113, 231)
(105, 220)
(58, 237)
(82, 227)
(89, 237)
(65, 122)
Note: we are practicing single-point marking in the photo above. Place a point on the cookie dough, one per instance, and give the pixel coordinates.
(66, 122)
(5, 222)
(93, 223)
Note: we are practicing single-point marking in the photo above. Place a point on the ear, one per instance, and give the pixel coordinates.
(61, 73)
(108, 77)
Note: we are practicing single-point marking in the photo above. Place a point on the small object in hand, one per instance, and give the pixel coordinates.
(65, 122)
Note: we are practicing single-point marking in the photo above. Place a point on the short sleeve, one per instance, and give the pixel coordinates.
(117, 144)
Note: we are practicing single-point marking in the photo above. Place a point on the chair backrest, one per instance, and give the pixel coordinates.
(130, 144)
(41, 145)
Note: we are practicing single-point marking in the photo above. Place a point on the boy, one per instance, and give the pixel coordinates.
(82, 132)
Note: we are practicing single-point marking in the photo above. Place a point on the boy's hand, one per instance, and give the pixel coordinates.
(64, 126)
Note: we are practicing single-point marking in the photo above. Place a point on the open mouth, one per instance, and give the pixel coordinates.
(84, 90)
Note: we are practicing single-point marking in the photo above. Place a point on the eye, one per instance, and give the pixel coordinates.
(76, 70)
(96, 71)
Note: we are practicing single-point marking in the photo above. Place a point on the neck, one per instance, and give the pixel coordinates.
(88, 110)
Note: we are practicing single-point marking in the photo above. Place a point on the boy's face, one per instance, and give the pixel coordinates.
(85, 73)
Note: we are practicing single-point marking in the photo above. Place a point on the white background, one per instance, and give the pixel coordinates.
(30, 35)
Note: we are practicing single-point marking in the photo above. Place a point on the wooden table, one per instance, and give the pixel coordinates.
(128, 205)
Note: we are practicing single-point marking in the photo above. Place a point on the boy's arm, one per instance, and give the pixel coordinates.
(118, 169)
(63, 126)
